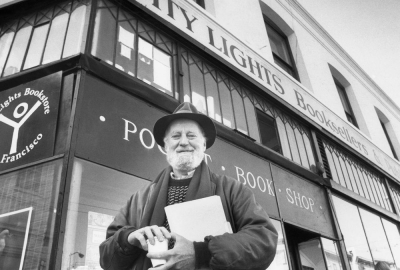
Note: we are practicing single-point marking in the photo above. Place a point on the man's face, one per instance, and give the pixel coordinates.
(185, 145)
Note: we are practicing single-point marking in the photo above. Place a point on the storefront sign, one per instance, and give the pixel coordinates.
(122, 138)
(28, 118)
(302, 202)
(196, 24)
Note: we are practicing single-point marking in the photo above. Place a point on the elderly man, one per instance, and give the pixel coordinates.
(185, 135)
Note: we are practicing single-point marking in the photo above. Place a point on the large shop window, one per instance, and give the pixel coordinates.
(351, 173)
(28, 199)
(41, 37)
(96, 195)
(230, 103)
(133, 46)
(369, 239)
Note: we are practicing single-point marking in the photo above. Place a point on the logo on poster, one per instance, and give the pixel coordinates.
(21, 114)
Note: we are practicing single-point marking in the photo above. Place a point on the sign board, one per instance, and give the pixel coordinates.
(122, 138)
(28, 120)
(192, 22)
(302, 202)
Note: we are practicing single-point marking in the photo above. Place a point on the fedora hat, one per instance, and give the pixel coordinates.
(186, 110)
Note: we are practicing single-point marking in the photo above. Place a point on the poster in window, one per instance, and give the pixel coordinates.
(14, 231)
(97, 227)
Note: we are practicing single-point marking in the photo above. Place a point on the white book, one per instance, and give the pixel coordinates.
(197, 219)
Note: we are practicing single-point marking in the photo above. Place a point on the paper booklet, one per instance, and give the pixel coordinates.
(197, 219)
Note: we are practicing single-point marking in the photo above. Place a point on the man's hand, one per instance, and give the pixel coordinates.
(180, 257)
(138, 238)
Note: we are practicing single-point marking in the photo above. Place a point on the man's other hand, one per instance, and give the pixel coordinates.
(138, 238)
(180, 257)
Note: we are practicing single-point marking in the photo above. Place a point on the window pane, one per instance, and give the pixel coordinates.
(94, 201)
(214, 109)
(351, 227)
(18, 51)
(104, 36)
(125, 58)
(292, 143)
(251, 119)
(197, 87)
(73, 41)
(56, 38)
(268, 132)
(311, 256)
(240, 115)
(376, 237)
(278, 44)
(280, 261)
(5, 44)
(36, 47)
(36, 188)
(226, 103)
(283, 138)
(332, 256)
(393, 235)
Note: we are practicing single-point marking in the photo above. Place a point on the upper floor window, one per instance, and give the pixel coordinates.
(200, 3)
(345, 103)
(281, 50)
(388, 131)
(389, 141)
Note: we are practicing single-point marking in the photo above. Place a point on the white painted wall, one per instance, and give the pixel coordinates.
(314, 51)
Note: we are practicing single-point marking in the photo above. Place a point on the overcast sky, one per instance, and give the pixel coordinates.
(369, 31)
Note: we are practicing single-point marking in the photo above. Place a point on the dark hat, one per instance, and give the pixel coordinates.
(186, 110)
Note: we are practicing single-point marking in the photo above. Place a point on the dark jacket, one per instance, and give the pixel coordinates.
(251, 246)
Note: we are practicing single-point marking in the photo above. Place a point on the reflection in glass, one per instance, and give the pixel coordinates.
(125, 58)
(280, 261)
(351, 227)
(36, 46)
(18, 51)
(103, 36)
(73, 41)
(332, 256)
(393, 235)
(56, 38)
(226, 104)
(240, 115)
(5, 44)
(311, 255)
(376, 237)
(35, 188)
(96, 195)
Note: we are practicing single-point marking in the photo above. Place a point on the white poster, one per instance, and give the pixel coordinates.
(96, 233)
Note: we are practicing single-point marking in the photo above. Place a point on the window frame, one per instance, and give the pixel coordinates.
(389, 140)
(277, 59)
(260, 114)
(350, 116)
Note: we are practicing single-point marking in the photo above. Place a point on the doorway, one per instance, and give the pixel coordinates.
(305, 249)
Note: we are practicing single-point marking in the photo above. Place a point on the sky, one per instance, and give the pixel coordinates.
(369, 31)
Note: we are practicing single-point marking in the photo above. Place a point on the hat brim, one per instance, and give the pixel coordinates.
(204, 122)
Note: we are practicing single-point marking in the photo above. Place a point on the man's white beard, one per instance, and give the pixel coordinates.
(185, 162)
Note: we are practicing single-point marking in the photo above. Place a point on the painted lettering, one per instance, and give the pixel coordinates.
(127, 130)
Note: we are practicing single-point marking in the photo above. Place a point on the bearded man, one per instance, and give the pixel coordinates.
(185, 135)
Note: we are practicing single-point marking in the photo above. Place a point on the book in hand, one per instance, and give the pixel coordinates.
(197, 219)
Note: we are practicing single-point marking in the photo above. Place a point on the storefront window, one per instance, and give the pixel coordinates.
(280, 261)
(96, 195)
(332, 256)
(376, 238)
(393, 236)
(311, 257)
(352, 229)
(40, 37)
(28, 200)
(132, 46)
